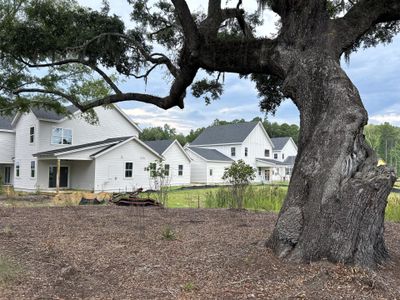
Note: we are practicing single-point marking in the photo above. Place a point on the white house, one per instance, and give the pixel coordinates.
(176, 161)
(249, 142)
(208, 165)
(7, 150)
(52, 152)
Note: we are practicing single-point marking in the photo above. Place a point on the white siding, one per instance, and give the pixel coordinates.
(175, 156)
(226, 150)
(7, 147)
(256, 142)
(198, 168)
(110, 168)
(24, 150)
(289, 149)
(111, 124)
(82, 175)
(218, 171)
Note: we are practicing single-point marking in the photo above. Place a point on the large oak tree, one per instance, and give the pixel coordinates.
(337, 196)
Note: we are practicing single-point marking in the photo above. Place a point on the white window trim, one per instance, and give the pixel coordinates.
(179, 170)
(34, 135)
(125, 169)
(233, 153)
(17, 174)
(30, 169)
(51, 136)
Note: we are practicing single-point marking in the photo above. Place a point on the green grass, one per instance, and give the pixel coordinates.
(392, 212)
(8, 270)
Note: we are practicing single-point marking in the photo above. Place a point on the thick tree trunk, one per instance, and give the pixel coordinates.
(337, 196)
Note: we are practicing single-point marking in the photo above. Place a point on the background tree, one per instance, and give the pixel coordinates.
(337, 195)
(239, 175)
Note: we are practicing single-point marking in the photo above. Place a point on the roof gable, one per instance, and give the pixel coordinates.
(52, 116)
(159, 145)
(111, 142)
(6, 123)
(279, 142)
(225, 134)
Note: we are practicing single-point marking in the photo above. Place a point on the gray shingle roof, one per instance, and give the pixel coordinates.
(5, 122)
(210, 154)
(289, 160)
(42, 113)
(114, 141)
(159, 146)
(224, 134)
(279, 142)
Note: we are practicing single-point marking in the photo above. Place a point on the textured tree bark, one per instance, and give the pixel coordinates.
(337, 196)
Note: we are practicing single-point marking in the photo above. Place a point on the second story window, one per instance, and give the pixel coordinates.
(246, 151)
(266, 152)
(61, 136)
(276, 156)
(180, 170)
(283, 156)
(233, 151)
(211, 172)
(32, 135)
(128, 169)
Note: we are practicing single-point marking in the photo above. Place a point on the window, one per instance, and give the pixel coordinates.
(61, 136)
(33, 169)
(31, 135)
(266, 152)
(259, 171)
(288, 171)
(233, 151)
(153, 169)
(283, 156)
(180, 170)
(211, 172)
(246, 151)
(166, 170)
(275, 155)
(128, 169)
(17, 169)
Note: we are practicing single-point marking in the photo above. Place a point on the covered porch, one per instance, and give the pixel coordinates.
(58, 173)
(265, 170)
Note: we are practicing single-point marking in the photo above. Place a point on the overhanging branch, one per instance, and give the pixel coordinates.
(360, 18)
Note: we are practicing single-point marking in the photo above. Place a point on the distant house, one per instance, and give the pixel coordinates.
(7, 150)
(55, 152)
(208, 165)
(249, 142)
(176, 161)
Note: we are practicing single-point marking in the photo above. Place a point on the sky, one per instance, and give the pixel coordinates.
(374, 71)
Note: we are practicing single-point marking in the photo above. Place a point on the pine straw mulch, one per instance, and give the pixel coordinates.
(112, 252)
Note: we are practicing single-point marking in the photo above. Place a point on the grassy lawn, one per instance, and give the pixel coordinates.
(8, 270)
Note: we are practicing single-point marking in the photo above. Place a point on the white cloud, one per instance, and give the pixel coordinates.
(393, 118)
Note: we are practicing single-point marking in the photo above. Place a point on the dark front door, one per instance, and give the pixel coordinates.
(267, 174)
(7, 175)
(63, 177)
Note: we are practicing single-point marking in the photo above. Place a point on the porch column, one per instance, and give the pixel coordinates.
(58, 176)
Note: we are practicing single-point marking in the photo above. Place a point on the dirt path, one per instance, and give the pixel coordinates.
(120, 253)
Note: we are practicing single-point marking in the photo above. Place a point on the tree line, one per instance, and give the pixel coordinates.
(167, 132)
(384, 139)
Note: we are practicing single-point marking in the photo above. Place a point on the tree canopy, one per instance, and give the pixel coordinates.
(55, 51)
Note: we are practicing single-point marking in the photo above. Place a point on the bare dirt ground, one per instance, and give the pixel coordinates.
(112, 252)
